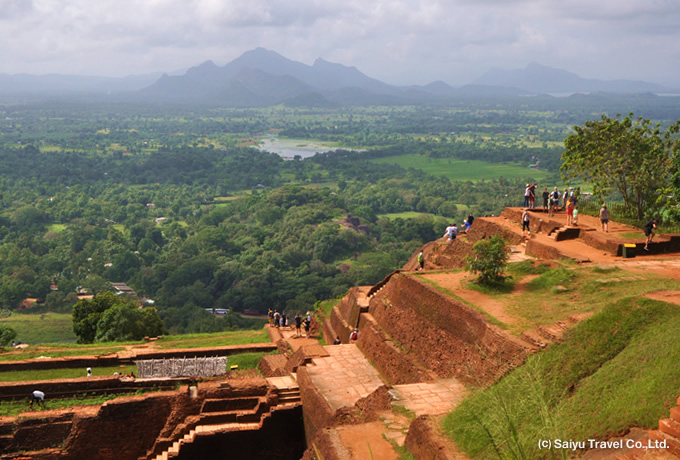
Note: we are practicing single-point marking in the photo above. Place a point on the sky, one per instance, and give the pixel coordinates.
(400, 42)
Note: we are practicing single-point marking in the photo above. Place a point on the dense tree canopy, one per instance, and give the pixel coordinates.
(630, 156)
(111, 318)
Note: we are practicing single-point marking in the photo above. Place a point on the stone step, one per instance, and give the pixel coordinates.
(672, 444)
(670, 427)
(675, 412)
(551, 332)
(534, 339)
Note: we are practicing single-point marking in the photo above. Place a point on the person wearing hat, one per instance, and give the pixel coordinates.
(527, 195)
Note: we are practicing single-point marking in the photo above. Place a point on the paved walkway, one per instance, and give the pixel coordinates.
(433, 398)
(345, 376)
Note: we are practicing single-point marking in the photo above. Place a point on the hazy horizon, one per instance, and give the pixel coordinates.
(402, 43)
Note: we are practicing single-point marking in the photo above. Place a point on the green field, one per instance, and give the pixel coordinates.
(42, 328)
(458, 170)
(217, 339)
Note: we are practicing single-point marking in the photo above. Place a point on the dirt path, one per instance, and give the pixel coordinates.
(670, 296)
(366, 441)
(453, 282)
(289, 335)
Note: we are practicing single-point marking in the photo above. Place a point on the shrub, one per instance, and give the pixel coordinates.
(488, 259)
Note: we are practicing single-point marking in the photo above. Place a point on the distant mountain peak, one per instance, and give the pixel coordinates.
(538, 78)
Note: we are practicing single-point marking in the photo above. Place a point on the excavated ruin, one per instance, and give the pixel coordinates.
(414, 338)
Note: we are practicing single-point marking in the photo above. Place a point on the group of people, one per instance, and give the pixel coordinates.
(452, 230)
(280, 320)
(568, 200)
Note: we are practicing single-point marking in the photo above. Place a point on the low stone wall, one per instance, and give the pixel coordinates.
(37, 434)
(71, 387)
(113, 360)
(124, 428)
(446, 335)
(424, 442)
(349, 307)
(273, 365)
(396, 366)
(339, 326)
(483, 228)
(542, 251)
(319, 414)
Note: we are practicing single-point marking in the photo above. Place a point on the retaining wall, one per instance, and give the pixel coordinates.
(113, 360)
(444, 334)
(396, 366)
(74, 387)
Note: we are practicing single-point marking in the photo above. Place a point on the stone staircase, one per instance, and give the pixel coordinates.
(288, 395)
(669, 432)
(564, 233)
(220, 415)
(546, 334)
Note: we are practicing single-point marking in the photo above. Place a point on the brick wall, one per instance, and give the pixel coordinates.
(445, 335)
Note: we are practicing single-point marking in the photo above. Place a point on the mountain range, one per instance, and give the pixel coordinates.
(262, 77)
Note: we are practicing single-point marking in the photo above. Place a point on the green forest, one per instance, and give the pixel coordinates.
(178, 204)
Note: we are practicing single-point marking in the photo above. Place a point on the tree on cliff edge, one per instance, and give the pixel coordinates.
(630, 156)
(489, 258)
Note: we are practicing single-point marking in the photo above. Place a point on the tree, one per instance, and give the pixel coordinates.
(624, 155)
(7, 334)
(488, 259)
(87, 313)
(108, 318)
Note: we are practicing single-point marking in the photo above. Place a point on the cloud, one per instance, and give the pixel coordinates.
(400, 41)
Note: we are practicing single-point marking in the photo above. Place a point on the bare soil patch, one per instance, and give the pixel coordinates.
(453, 283)
(366, 441)
(670, 296)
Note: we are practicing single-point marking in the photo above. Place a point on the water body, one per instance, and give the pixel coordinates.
(289, 148)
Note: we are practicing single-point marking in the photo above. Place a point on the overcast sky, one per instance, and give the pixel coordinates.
(397, 41)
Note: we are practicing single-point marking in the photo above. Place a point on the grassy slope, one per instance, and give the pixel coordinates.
(42, 328)
(464, 169)
(608, 375)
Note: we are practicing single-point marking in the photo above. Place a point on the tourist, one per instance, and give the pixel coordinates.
(565, 197)
(575, 214)
(604, 218)
(555, 202)
(525, 221)
(649, 233)
(270, 315)
(470, 219)
(532, 195)
(337, 340)
(570, 211)
(277, 318)
(546, 199)
(298, 325)
(451, 232)
(308, 326)
(89, 372)
(421, 260)
(527, 195)
(38, 397)
(354, 336)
